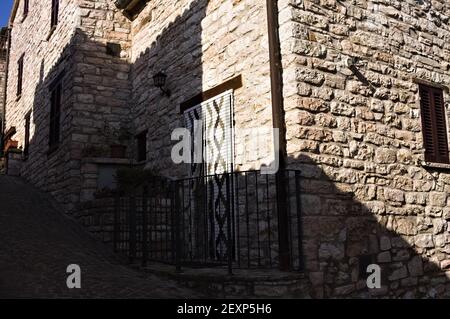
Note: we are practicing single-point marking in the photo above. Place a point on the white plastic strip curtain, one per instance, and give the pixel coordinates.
(216, 115)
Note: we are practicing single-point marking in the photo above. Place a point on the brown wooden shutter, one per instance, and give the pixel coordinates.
(55, 13)
(434, 124)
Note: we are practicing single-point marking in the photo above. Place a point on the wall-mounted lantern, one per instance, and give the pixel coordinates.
(159, 80)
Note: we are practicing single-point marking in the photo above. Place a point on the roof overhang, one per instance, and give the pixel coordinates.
(13, 12)
(131, 8)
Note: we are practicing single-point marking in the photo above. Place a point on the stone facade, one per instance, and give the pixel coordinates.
(359, 134)
(368, 197)
(3, 44)
(94, 90)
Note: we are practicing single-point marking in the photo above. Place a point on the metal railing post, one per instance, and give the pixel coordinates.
(283, 221)
(178, 215)
(116, 230)
(132, 229)
(229, 239)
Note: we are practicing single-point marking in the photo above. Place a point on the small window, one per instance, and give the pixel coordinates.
(26, 8)
(55, 111)
(20, 76)
(26, 146)
(434, 124)
(113, 49)
(55, 13)
(141, 143)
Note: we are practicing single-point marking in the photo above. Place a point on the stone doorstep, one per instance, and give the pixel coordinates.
(220, 274)
(243, 283)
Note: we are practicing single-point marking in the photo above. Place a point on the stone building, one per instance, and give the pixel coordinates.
(3, 67)
(362, 92)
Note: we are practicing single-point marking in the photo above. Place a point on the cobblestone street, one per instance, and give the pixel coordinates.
(38, 243)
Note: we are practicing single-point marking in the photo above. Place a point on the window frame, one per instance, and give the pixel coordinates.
(435, 126)
(54, 139)
(20, 68)
(141, 146)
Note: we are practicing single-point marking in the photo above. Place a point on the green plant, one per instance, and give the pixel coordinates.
(113, 136)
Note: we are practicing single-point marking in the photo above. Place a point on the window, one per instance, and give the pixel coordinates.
(55, 13)
(55, 110)
(26, 8)
(20, 76)
(27, 135)
(113, 49)
(141, 143)
(434, 125)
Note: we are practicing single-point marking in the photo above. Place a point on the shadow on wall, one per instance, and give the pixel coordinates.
(97, 86)
(178, 52)
(342, 236)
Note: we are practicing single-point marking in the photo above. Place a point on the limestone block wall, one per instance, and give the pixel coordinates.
(102, 88)
(356, 136)
(46, 55)
(2, 81)
(199, 45)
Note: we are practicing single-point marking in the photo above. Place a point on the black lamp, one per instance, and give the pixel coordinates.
(159, 80)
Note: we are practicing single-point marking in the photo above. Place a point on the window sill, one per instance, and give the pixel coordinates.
(439, 166)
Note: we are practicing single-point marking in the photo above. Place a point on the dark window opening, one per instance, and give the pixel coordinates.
(20, 76)
(434, 124)
(141, 143)
(26, 146)
(26, 8)
(113, 49)
(55, 13)
(55, 112)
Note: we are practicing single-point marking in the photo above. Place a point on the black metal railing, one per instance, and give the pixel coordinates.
(230, 220)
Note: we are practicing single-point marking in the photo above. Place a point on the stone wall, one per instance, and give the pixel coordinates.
(95, 89)
(102, 88)
(46, 55)
(2, 70)
(199, 45)
(356, 135)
